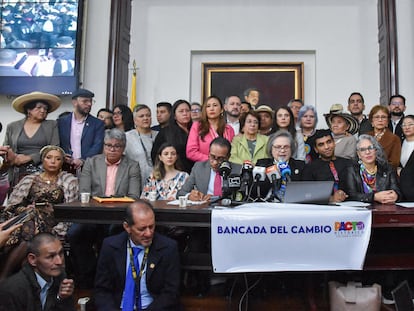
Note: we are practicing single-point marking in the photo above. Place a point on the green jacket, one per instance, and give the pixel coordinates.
(240, 151)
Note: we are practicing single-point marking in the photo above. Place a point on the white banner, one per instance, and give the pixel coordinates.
(260, 237)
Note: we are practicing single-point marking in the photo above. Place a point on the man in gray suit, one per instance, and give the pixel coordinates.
(107, 174)
(200, 184)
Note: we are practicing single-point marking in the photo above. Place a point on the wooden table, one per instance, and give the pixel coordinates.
(391, 245)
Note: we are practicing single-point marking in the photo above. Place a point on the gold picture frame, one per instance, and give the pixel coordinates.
(277, 83)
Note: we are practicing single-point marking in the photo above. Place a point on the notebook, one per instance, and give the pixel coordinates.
(402, 297)
(314, 192)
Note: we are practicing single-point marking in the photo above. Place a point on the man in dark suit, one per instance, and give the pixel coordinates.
(396, 106)
(81, 135)
(201, 184)
(107, 174)
(157, 266)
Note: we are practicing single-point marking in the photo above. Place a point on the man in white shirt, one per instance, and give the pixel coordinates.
(232, 107)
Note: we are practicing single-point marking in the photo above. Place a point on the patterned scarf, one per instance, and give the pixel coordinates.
(368, 180)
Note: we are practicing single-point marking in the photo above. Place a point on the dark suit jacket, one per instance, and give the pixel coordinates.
(92, 135)
(386, 180)
(162, 274)
(398, 129)
(200, 177)
(93, 177)
(296, 167)
(22, 292)
(407, 180)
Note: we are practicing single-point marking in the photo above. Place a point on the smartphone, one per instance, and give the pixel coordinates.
(23, 217)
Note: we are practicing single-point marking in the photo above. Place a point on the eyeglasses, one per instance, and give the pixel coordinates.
(364, 149)
(115, 147)
(380, 117)
(279, 148)
(396, 104)
(407, 124)
(213, 158)
(118, 113)
(195, 110)
(86, 101)
(252, 122)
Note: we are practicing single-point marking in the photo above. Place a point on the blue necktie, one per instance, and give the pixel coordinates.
(131, 294)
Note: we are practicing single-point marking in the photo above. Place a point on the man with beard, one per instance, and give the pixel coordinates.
(356, 106)
(232, 108)
(81, 135)
(328, 166)
(396, 106)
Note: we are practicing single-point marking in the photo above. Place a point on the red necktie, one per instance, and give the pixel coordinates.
(217, 184)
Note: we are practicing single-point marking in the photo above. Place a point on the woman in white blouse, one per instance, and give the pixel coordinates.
(167, 177)
(140, 140)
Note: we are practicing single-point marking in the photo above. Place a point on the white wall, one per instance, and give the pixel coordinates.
(405, 27)
(168, 38)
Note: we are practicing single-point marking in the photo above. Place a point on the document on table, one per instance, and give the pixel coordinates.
(406, 204)
(353, 204)
(189, 202)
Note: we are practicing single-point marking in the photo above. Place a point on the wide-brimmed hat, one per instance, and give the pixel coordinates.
(353, 123)
(52, 100)
(264, 108)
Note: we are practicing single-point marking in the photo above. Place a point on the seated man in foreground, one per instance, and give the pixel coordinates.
(138, 256)
(41, 283)
(107, 174)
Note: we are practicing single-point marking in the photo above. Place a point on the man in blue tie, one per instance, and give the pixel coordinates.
(138, 269)
(41, 284)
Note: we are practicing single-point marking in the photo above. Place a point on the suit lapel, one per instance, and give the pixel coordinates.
(120, 173)
(101, 167)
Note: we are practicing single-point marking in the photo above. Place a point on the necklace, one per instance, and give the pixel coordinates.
(379, 135)
(48, 180)
(373, 171)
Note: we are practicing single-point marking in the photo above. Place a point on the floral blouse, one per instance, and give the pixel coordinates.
(166, 189)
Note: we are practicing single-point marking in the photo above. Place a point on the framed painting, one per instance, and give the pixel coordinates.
(277, 83)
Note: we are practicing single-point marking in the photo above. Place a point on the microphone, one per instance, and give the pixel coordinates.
(273, 174)
(224, 171)
(246, 177)
(259, 173)
(284, 170)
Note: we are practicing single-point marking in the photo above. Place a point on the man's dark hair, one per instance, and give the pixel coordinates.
(396, 96)
(38, 240)
(144, 205)
(319, 134)
(104, 109)
(222, 142)
(356, 93)
(166, 105)
(248, 104)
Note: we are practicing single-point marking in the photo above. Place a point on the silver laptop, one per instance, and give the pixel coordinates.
(402, 297)
(314, 192)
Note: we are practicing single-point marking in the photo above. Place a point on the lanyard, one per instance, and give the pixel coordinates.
(147, 157)
(137, 278)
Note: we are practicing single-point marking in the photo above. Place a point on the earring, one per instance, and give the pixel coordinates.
(359, 161)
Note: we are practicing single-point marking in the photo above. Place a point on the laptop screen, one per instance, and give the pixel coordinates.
(316, 192)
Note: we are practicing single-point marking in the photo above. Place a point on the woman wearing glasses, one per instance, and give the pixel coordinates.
(122, 118)
(379, 118)
(372, 179)
(407, 159)
(280, 147)
(250, 145)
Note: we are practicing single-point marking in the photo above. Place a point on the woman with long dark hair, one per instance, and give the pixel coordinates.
(176, 133)
(167, 176)
(211, 125)
(122, 118)
(285, 121)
